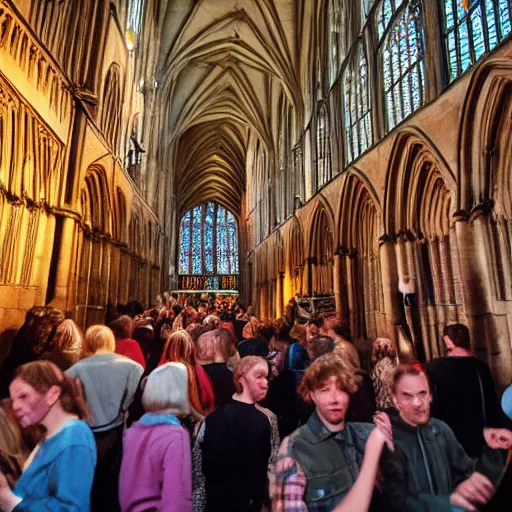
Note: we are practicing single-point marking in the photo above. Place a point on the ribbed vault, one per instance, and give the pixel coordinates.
(220, 62)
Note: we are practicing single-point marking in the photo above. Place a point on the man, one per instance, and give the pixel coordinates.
(239, 443)
(332, 327)
(464, 394)
(319, 463)
(429, 470)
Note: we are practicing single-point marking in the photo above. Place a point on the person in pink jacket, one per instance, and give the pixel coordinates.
(156, 466)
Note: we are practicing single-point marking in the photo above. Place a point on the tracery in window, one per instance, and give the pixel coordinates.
(358, 123)
(471, 34)
(367, 5)
(400, 29)
(323, 147)
(208, 242)
(333, 35)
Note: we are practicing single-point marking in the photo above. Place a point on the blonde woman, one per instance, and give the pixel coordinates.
(110, 381)
(384, 362)
(67, 344)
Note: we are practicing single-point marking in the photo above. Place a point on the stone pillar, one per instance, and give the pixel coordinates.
(490, 335)
(336, 273)
(42, 256)
(280, 295)
(389, 271)
(61, 299)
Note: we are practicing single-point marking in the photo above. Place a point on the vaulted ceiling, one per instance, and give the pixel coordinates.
(219, 60)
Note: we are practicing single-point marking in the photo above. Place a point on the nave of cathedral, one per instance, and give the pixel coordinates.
(349, 154)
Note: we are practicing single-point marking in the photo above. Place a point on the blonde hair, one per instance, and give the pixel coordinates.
(243, 367)
(206, 346)
(98, 337)
(166, 389)
(11, 442)
(68, 338)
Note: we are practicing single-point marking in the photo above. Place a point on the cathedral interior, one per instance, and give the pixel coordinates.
(358, 150)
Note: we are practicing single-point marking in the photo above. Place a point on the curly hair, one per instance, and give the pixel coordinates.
(382, 347)
(324, 368)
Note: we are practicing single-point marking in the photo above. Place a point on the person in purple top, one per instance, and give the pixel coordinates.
(156, 471)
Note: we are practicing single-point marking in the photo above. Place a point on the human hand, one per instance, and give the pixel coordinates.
(477, 489)
(8, 500)
(458, 502)
(498, 438)
(383, 424)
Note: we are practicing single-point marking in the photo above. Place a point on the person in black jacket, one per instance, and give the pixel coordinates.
(429, 471)
(463, 390)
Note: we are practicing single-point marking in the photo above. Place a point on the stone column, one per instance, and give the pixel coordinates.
(389, 272)
(67, 246)
(336, 273)
(490, 335)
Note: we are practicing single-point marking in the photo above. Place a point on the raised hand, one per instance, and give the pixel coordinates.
(498, 438)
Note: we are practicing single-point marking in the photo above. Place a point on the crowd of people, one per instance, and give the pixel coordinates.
(200, 406)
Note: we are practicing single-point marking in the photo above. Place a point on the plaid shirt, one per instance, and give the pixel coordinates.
(288, 482)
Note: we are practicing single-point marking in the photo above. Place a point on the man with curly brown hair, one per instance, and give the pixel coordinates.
(319, 463)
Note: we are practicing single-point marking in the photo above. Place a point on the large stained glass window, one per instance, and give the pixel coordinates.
(323, 147)
(208, 243)
(358, 123)
(471, 34)
(400, 30)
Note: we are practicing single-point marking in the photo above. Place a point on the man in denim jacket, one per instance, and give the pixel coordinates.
(318, 464)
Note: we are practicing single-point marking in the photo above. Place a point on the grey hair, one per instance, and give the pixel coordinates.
(166, 389)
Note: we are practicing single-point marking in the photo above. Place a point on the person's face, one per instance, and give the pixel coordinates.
(158, 302)
(255, 382)
(331, 402)
(165, 331)
(328, 325)
(450, 346)
(29, 405)
(412, 399)
(311, 332)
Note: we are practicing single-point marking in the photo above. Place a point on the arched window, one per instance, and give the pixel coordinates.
(333, 39)
(400, 30)
(358, 122)
(110, 121)
(208, 242)
(133, 22)
(367, 5)
(471, 34)
(323, 147)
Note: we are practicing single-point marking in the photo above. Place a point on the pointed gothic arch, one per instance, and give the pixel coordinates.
(111, 107)
(420, 202)
(321, 252)
(360, 277)
(485, 162)
(95, 255)
(296, 258)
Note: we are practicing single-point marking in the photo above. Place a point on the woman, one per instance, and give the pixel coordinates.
(384, 364)
(60, 473)
(12, 449)
(110, 381)
(180, 348)
(158, 447)
(66, 345)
